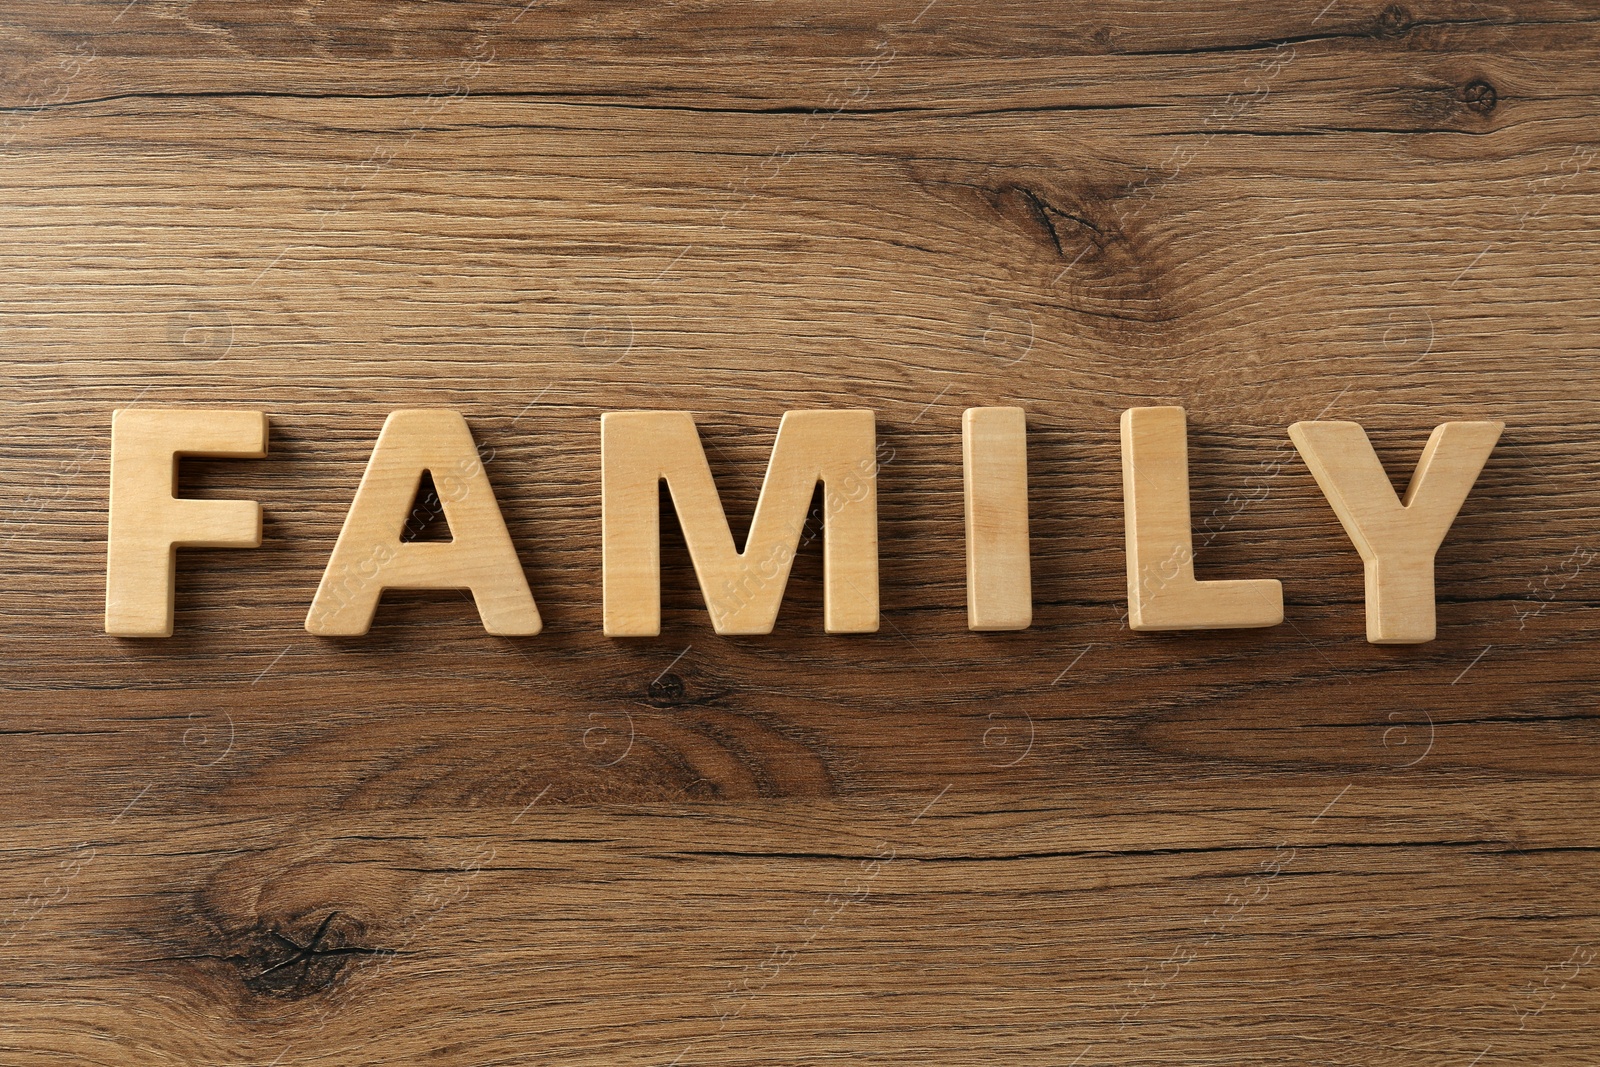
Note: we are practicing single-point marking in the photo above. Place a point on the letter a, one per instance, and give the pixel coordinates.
(370, 557)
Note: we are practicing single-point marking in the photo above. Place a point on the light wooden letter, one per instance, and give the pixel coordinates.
(369, 556)
(148, 523)
(994, 452)
(742, 590)
(1396, 538)
(1162, 591)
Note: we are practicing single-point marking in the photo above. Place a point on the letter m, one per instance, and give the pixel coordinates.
(742, 590)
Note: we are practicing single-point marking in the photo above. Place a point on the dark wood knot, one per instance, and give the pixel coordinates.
(298, 966)
(667, 689)
(1393, 21)
(1480, 96)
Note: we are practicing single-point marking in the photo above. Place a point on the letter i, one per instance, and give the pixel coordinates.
(994, 452)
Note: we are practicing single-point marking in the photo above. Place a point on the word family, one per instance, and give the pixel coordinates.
(1396, 537)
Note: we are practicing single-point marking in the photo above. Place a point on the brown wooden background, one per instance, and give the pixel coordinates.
(1074, 845)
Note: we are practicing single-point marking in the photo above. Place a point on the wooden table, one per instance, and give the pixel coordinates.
(1076, 844)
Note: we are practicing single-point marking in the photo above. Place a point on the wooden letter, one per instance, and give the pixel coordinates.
(148, 524)
(742, 590)
(369, 556)
(1396, 538)
(994, 452)
(1162, 591)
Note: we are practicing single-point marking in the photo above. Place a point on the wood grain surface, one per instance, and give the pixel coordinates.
(1069, 845)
